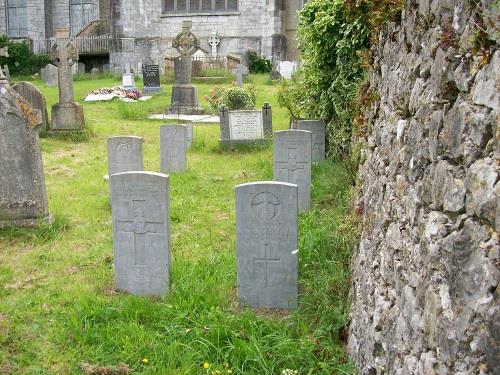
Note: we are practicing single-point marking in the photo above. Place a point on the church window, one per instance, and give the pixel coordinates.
(17, 18)
(199, 6)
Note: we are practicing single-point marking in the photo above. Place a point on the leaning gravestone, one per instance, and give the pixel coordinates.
(267, 246)
(173, 139)
(246, 127)
(317, 127)
(67, 116)
(36, 99)
(124, 154)
(151, 78)
(140, 207)
(292, 162)
(23, 198)
(49, 75)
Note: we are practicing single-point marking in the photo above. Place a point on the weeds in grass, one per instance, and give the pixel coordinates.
(44, 232)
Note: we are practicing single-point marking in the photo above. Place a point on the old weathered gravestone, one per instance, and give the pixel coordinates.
(36, 99)
(317, 127)
(151, 78)
(23, 198)
(173, 139)
(49, 75)
(81, 68)
(267, 254)
(94, 72)
(240, 71)
(292, 162)
(66, 115)
(124, 154)
(184, 94)
(246, 127)
(140, 207)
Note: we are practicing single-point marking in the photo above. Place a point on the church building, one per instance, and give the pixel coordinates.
(136, 30)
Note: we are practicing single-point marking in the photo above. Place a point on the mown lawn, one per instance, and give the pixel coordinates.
(59, 311)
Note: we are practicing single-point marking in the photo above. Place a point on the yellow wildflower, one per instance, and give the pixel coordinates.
(145, 360)
(206, 365)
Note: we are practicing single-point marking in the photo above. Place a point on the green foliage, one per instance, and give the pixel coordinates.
(233, 97)
(21, 60)
(291, 95)
(257, 64)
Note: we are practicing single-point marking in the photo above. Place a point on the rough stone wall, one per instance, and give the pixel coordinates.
(424, 297)
(35, 19)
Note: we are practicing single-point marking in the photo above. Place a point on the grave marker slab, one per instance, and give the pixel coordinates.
(36, 99)
(140, 206)
(317, 127)
(267, 256)
(49, 75)
(173, 140)
(151, 78)
(292, 162)
(240, 71)
(124, 154)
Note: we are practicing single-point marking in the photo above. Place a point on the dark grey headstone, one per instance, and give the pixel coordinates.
(267, 118)
(36, 99)
(140, 206)
(124, 154)
(292, 162)
(151, 78)
(173, 140)
(317, 127)
(267, 254)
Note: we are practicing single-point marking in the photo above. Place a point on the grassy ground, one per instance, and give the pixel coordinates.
(59, 312)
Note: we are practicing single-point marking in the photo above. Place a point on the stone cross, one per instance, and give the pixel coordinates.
(186, 44)
(240, 71)
(4, 52)
(267, 261)
(65, 55)
(214, 41)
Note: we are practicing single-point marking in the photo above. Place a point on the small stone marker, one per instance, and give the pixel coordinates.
(267, 255)
(151, 78)
(81, 68)
(128, 80)
(94, 72)
(240, 71)
(140, 206)
(292, 162)
(36, 99)
(173, 140)
(124, 154)
(49, 75)
(317, 127)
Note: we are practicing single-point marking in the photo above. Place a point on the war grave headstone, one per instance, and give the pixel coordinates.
(240, 71)
(173, 140)
(49, 75)
(67, 116)
(36, 99)
(317, 127)
(151, 78)
(184, 95)
(246, 127)
(140, 206)
(292, 162)
(128, 80)
(267, 245)
(23, 197)
(124, 154)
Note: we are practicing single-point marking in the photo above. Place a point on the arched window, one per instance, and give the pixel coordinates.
(17, 18)
(200, 6)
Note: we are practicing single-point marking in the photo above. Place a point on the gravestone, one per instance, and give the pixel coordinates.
(49, 75)
(81, 68)
(287, 68)
(189, 135)
(173, 139)
(240, 71)
(37, 100)
(6, 72)
(124, 154)
(214, 41)
(106, 68)
(23, 198)
(292, 162)
(184, 95)
(67, 116)
(128, 80)
(317, 128)
(246, 127)
(267, 246)
(94, 72)
(140, 206)
(151, 78)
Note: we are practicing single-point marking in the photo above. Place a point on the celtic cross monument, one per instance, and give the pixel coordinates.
(184, 94)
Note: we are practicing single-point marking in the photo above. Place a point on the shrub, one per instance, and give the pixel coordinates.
(233, 97)
(21, 60)
(258, 64)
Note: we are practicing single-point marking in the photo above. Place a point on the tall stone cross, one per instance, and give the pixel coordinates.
(266, 262)
(186, 44)
(64, 54)
(4, 52)
(240, 71)
(214, 41)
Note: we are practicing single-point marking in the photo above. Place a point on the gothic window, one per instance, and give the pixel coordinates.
(199, 6)
(17, 18)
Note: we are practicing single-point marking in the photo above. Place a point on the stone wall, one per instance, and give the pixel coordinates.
(424, 297)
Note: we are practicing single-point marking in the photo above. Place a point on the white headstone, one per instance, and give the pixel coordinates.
(287, 68)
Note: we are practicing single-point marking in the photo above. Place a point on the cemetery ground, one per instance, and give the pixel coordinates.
(60, 313)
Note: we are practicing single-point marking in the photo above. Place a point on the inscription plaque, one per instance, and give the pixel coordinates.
(245, 125)
(151, 78)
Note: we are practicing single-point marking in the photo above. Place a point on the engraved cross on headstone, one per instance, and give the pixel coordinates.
(291, 165)
(64, 54)
(266, 261)
(223, 110)
(4, 52)
(266, 107)
(140, 227)
(240, 71)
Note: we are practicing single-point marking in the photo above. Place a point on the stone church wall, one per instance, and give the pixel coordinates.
(424, 297)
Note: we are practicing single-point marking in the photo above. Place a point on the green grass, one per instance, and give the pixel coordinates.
(58, 307)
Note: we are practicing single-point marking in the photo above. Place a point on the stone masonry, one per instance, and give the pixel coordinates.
(424, 297)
